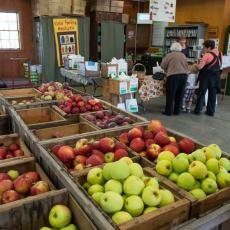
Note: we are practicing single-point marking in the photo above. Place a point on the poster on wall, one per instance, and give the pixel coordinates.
(66, 38)
(162, 10)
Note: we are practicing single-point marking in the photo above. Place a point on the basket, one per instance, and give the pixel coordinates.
(140, 70)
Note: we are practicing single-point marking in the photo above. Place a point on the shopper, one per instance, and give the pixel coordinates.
(176, 68)
(185, 48)
(209, 77)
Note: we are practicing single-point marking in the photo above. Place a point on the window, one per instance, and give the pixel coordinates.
(9, 31)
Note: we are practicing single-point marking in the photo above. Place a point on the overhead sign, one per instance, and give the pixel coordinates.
(162, 10)
(66, 38)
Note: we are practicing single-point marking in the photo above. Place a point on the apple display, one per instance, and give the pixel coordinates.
(136, 170)
(151, 196)
(109, 157)
(133, 186)
(186, 181)
(209, 152)
(166, 197)
(134, 205)
(217, 150)
(6, 185)
(10, 196)
(198, 170)
(119, 170)
(95, 188)
(95, 176)
(113, 185)
(121, 217)
(153, 151)
(106, 171)
(166, 155)
(213, 165)
(186, 145)
(164, 167)
(209, 186)
(199, 155)
(180, 164)
(39, 187)
(151, 181)
(198, 193)
(223, 179)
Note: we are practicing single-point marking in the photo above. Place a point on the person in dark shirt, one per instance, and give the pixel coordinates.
(185, 48)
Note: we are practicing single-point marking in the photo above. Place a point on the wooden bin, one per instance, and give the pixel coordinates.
(21, 99)
(164, 218)
(66, 130)
(7, 140)
(32, 213)
(5, 123)
(19, 92)
(40, 117)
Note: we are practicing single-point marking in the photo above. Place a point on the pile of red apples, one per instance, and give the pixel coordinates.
(14, 186)
(89, 153)
(7, 152)
(152, 141)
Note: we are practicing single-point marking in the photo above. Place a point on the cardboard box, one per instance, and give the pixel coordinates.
(108, 69)
(119, 87)
(88, 68)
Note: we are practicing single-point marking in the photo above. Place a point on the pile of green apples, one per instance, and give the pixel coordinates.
(60, 218)
(202, 172)
(123, 191)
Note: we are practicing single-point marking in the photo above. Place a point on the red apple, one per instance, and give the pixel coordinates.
(161, 139)
(66, 153)
(120, 145)
(79, 160)
(39, 187)
(6, 185)
(107, 144)
(153, 125)
(83, 147)
(14, 147)
(186, 145)
(153, 151)
(98, 153)
(4, 176)
(94, 160)
(149, 142)
(32, 176)
(172, 148)
(147, 135)
(137, 145)
(9, 155)
(55, 149)
(10, 196)
(120, 153)
(22, 184)
(123, 138)
(95, 144)
(75, 110)
(18, 153)
(83, 110)
(3, 152)
(172, 139)
(134, 133)
(67, 109)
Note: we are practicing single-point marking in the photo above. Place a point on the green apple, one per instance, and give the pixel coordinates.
(109, 157)
(198, 170)
(191, 158)
(95, 188)
(13, 174)
(124, 197)
(199, 155)
(183, 155)
(97, 196)
(164, 167)
(133, 185)
(121, 217)
(217, 150)
(166, 197)
(149, 209)
(209, 185)
(180, 164)
(211, 175)
(151, 196)
(127, 160)
(152, 181)
(59, 216)
(196, 185)
(69, 227)
(134, 205)
(213, 165)
(222, 169)
(119, 170)
(106, 171)
(136, 170)
(173, 177)
(86, 185)
(95, 176)
(113, 185)
(45, 228)
(223, 179)
(198, 193)
(186, 181)
(165, 155)
(209, 153)
(224, 162)
(111, 202)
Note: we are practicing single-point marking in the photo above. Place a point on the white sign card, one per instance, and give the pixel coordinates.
(112, 70)
(133, 85)
(131, 105)
(162, 10)
(123, 87)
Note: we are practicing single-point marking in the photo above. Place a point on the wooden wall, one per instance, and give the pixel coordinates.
(8, 69)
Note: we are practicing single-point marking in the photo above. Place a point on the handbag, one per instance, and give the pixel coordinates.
(159, 76)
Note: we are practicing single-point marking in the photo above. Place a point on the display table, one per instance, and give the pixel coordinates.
(85, 81)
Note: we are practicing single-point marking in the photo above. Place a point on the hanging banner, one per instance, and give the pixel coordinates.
(66, 38)
(162, 10)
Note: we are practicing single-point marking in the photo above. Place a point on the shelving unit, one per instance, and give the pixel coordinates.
(194, 34)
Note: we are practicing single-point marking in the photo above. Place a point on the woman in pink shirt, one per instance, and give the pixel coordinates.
(209, 77)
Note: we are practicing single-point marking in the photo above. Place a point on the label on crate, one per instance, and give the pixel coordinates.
(112, 71)
(123, 89)
(131, 105)
(133, 85)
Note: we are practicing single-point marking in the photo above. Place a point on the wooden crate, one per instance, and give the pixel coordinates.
(19, 92)
(7, 140)
(164, 218)
(40, 117)
(20, 99)
(32, 213)
(5, 123)
(66, 130)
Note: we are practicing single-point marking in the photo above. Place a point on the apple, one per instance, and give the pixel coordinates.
(213, 165)
(216, 149)
(161, 139)
(65, 153)
(86, 185)
(55, 149)
(199, 155)
(223, 162)
(151, 196)
(32, 176)
(198, 170)
(79, 167)
(150, 181)
(186, 145)
(147, 135)
(134, 133)
(97, 197)
(121, 217)
(164, 167)
(123, 138)
(127, 160)
(106, 171)
(133, 185)
(186, 181)
(211, 175)
(59, 216)
(3, 152)
(184, 155)
(109, 157)
(10, 196)
(172, 148)
(166, 197)
(173, 177)
(153, 151)
(120, 153)
(4, 176)
(82, 146)
(149, 209)
(134, 205)
(113, 185)
(18, 153)
(107, 144)
(79, 159)
(6, 185)
(149, 142)
(136, 170)
(172, 139)
(197, 184)
(154, 125)
(209, 152)
(198, 193)
(223, 179)
(69, 227)
(95, 176)
(119, 170)
(94, 160)
(137, 145)
(166, 155)
(95, 188)
(39, 187)
(45, 228)
(209, 185)
(180, 164)
(120, 145)
(111, 202)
